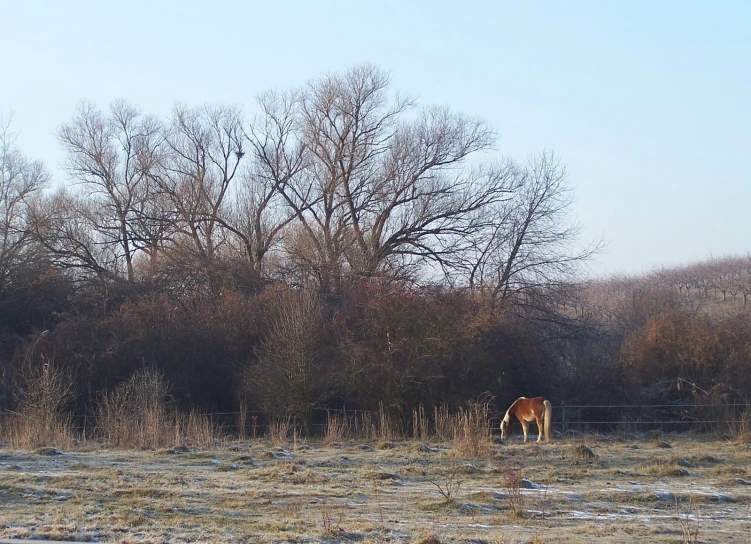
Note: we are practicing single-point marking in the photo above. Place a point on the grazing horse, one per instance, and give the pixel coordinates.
(536, 409)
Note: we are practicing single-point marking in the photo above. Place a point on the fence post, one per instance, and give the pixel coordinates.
(563, 416)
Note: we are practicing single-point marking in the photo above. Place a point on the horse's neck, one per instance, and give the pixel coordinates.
(507, 417)
(512, 409)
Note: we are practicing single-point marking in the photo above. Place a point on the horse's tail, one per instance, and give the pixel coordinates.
(547, 419)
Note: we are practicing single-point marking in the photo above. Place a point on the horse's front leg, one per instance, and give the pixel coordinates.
(525, 428)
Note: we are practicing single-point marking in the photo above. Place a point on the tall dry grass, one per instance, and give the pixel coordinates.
(40, 419)
(739, 427)
(420, 424)
(195, 429)
(242, 418)
(443, 423)
(338, 428)
(471, 430)
(468, 428)
(31, 430)
(139, 414)
(135, 414)
(280, 431)
(388, 427)
(381, 426)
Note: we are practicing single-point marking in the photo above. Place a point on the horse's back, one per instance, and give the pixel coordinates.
(530, 407)
(539, 401)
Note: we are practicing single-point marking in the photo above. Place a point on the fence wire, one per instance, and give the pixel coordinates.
(566, 417)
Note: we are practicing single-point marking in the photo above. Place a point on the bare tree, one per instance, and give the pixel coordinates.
(530, 243)
(735, 269)
(112, 157)
(376, 189)
(21, 180)
(205, 150)
(423, 203)
(64, 225)
(744, 278)
(259, 215)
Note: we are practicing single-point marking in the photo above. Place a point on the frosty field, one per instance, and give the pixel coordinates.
(677, 489)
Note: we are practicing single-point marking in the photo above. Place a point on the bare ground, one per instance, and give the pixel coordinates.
(680, 489)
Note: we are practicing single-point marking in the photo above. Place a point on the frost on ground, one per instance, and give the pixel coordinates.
(629, 490)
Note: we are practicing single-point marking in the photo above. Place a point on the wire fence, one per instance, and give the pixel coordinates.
(639, 417)
(567, 418)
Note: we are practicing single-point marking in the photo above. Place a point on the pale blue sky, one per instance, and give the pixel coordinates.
(649, 103)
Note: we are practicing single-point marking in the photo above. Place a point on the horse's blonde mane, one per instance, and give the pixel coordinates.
(513, 405)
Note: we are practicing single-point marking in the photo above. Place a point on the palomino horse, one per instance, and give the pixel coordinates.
(536, 409)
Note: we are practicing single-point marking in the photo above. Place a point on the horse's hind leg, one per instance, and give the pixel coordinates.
(539, 429)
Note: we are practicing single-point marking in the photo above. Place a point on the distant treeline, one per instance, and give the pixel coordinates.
(339, 247)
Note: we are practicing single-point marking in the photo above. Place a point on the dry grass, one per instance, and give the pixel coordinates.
(338, 429)
(40, 420)
(429, 538)
(686, 514)
(420, 424)
(513, 475)
(33, 429)
(406, 494)
(280, 431)
(138, 415)
(659, 489)
(740, 427)
(196, 430)
(242, 418)
(471, 431)
(443, 423)
(384, 427)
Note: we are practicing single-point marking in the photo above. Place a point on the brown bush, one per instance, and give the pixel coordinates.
(690, 345)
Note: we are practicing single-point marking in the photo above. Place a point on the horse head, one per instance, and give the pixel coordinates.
(505, 427)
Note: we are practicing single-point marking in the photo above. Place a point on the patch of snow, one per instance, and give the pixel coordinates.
(529, 484)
